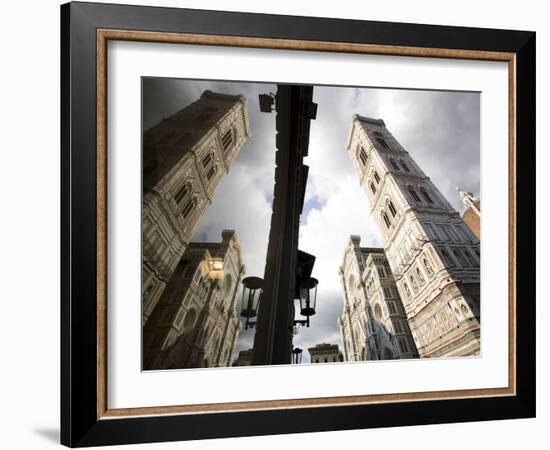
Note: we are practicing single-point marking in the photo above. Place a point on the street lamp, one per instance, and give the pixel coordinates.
(297, 355)
(308, 300)
(252, 290)
(212, 268)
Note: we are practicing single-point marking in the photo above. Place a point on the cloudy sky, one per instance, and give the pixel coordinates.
(440, 130)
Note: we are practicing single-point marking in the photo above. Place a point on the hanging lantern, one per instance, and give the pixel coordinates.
(212, 268)
(252, 290)
(308, 297)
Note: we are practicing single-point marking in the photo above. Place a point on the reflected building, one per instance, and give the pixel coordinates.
(185, 157)
(373, 323)
(195, 323)
(433, 255)
(325, 353)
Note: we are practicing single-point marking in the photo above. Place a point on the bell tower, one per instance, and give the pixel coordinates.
(433, 255)
(185, 157)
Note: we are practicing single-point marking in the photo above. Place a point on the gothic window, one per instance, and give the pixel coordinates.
(392, 208)
(148, 291)
(428, 267)
(381, 272)
(363, 156)
(387, 292)
(377, 312)
(372, 188)
(189, 207)
(386, 220)
(468, 256)
(426, 195)
(381, 140)
(207, 160)
(446, 257)
(451, 233)
(420, 277)
(211, 173)
(460, 258)
(391, 308)
(414, 194)
(376, 177)
(403, 346)
(462, 234)
(227, 139)
(405, 167)
(430, 231)
(182, 192)
(394, 164)
(407, 290)
(413, 283)
(397, 326)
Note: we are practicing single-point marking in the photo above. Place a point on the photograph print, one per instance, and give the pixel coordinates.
(299, 224)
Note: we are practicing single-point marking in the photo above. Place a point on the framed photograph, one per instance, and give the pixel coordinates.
(272, 224)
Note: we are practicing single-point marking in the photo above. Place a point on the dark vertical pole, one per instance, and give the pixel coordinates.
(273, 339)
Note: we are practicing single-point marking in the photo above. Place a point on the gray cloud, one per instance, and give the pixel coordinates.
(440, 130)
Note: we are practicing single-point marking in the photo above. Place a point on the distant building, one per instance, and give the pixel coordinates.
(472, 211)
(185, 157)
(195, 323)
(244, 358)
(373, 322)
(433, 255)
(325, 353)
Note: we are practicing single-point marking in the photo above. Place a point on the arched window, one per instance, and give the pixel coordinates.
(386, 220)
(405, 167)
(190, 318)
(211, 172)
(372, 188)
(413, 283)
(392, 208)
(207, 160)
(468, 256)
(189, 207)
(414, 194)
(148, 291)
(228, 284)
(426, 195)
(363, 156)
(376, 177)
(182, 192)
(377, 312)
(446, 257)
(407, 290)
(394, 164)
(381, 140)
(460, 258)
(227, 139)
(428, 267)
(420, 277)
